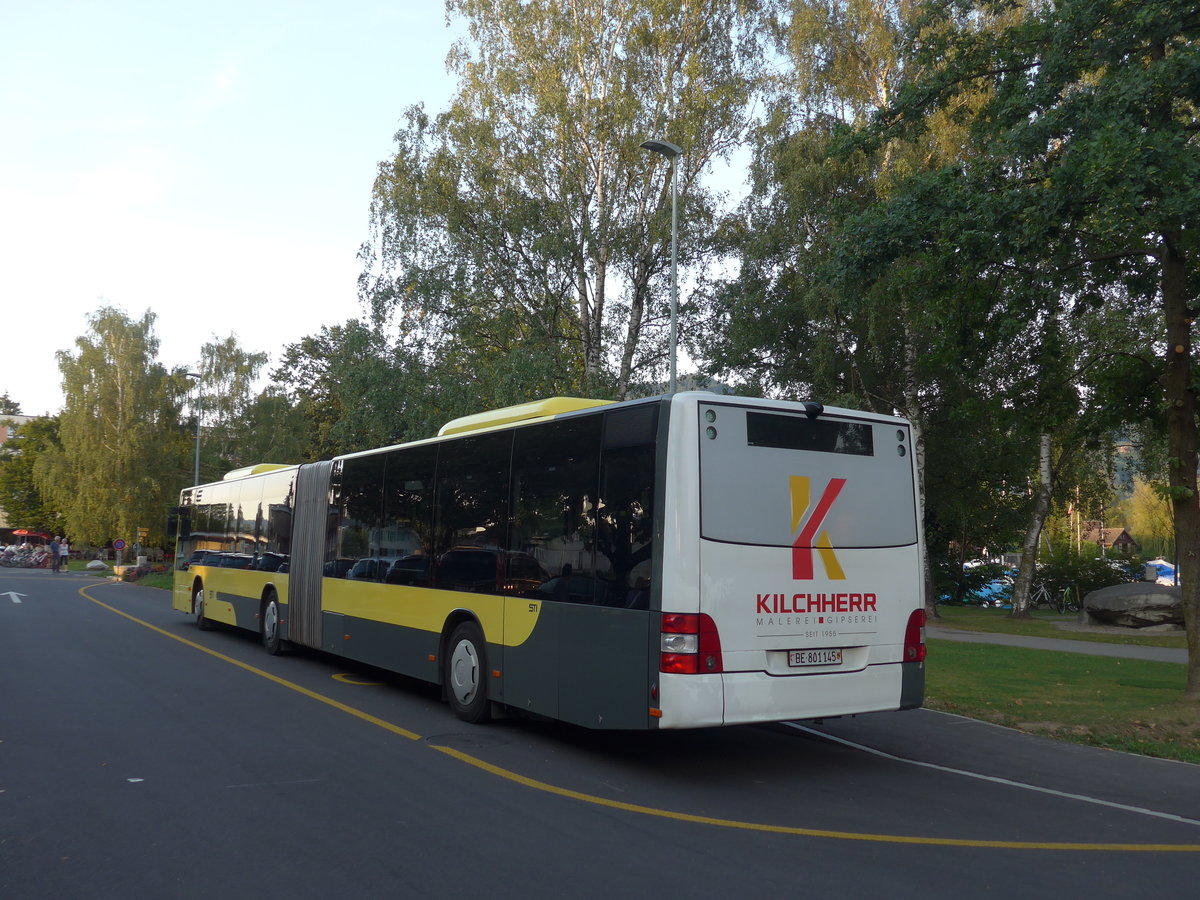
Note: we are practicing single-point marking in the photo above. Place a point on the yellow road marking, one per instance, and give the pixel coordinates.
(595, 800)
(349, 679)
(328, 701)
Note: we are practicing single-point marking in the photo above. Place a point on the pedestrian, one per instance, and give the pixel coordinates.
(64, 550)
(55, 549)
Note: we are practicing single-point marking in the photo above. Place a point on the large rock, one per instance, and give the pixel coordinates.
(1137, 605)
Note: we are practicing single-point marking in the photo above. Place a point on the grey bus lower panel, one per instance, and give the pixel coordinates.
(912, 685)
(391, 647)
(589, 665)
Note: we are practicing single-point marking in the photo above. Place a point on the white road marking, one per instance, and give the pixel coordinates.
(1083, 798)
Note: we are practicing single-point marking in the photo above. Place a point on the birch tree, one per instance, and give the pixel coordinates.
(525, 222)
(123, 453)
(224, 394)
(802, 314)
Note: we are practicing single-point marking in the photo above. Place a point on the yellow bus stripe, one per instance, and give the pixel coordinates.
(594, 800)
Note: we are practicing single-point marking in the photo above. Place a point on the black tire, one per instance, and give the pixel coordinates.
(465, 672)
(203, 623)
(268, 623)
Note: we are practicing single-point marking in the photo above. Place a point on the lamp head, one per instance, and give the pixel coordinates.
(666, 148)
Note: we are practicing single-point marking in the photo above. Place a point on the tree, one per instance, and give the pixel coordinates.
(227, 376)
(524, 227)
(8, 406)
(274, 430)
(351, 390)
(1086, 173)
(815, 308)
(23, 502)
(123, 453)
(1148, 514)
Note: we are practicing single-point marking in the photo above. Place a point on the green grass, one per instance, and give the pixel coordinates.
(1044, 623)
(1121, 704)
(163, 581)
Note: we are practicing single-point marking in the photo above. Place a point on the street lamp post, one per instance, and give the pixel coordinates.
(196, 375)
(671, 151)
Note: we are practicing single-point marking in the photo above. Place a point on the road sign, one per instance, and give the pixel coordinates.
(118, 544)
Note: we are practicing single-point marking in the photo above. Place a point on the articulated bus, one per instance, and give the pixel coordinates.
(672, 562)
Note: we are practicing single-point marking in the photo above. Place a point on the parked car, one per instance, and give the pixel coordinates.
(271, 562)
(409, 570)
(337, 568)
(482, 570)
(371, 568)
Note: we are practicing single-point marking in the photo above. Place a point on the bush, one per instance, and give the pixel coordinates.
(1082, 574)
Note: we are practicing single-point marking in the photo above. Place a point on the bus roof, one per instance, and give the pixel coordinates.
(538, 409)
(247, 471)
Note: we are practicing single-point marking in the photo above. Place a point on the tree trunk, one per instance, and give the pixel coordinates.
(1181, 441)
(1033, 533)
(637, 309)
(585, 320)
(912, 402)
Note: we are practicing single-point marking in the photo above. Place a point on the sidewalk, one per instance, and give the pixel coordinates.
(1091, 648)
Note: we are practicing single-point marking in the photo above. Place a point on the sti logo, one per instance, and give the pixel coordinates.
(803, 545)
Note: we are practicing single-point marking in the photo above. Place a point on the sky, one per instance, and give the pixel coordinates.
(211, 162)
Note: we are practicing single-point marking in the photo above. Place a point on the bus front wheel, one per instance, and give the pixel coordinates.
(270, 625)
(203, 623)
(466, 673)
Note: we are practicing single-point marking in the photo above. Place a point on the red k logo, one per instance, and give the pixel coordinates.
(806, 531)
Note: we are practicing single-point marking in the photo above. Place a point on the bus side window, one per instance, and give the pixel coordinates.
(471, 518)
(625, 512)
(555, 470)
(359, 493)
(277, 522)
(408, 514)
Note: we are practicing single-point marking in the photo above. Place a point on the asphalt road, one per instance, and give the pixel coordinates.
(142, 757)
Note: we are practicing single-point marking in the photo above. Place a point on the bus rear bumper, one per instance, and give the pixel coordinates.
(736, 698)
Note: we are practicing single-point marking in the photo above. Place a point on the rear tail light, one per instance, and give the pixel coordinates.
(914, 637)
(690, 644)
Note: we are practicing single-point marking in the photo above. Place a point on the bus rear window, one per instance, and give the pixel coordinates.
(764, 471)
(799, 433)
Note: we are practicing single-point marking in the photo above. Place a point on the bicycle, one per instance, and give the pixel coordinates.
(1039, 596)
(1068, 601)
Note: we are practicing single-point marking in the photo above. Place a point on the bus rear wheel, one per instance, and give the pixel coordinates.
(466, 673)
(203, 623)
(269, 624)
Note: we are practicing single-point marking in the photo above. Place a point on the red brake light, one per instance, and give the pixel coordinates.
(679, 663)
(680, 623)
(914, 637)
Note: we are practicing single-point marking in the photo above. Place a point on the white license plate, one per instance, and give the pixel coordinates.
(826, 656)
